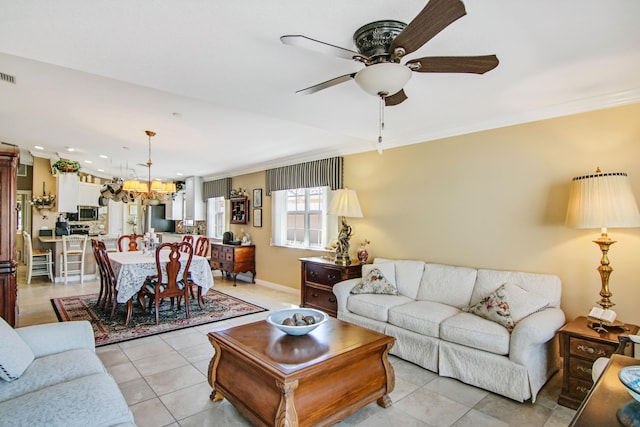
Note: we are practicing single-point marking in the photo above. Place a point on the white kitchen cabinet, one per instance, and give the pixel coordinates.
(88, 194)
(175, 208)
(67, 189)
(194, 205)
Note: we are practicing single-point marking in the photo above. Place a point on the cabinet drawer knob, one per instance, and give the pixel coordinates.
(583, 390)
(332, 277)
(313, 274)
(592, 350)
(332, 300)
(583, 369)
(315, 295)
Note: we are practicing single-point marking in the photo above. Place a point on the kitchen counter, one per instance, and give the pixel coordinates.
(55, 242)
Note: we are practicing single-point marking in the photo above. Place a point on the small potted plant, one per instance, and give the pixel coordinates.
(65, 166)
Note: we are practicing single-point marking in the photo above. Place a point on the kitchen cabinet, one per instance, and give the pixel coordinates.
(88, 194)
(67, 189)
(175, 208)
(239, 210)
(8, 226)
(318, 277)
(234, 259)
(194, 207)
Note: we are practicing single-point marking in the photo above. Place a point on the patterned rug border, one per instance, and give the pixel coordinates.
(102, 335)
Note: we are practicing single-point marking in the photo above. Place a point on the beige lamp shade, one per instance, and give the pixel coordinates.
(345, 203)
(602, 200)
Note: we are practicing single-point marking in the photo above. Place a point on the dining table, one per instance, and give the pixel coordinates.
(132, 268)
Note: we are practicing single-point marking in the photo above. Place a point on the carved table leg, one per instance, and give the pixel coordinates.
(286, 415)
(385, 401)
(213, 365)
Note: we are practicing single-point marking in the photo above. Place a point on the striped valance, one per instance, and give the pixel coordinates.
(217, 188)
(319, 173)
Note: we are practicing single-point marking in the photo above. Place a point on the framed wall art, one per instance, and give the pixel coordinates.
(257, 198)
(257, 217)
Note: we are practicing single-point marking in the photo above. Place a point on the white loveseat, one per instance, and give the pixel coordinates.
(430, 320)
(51, 376)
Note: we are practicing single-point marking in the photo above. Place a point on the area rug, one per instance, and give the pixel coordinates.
(218, 306)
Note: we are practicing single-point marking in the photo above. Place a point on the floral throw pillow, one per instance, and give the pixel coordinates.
(494, 307)
(374, 282)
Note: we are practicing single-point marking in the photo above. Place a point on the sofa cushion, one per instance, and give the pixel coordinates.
(422, 317)
(523, 303)
(447, 284)
(53, 369)
(494, 307)
(375, 307)
(408, 275)
(94, 400)
(548, 286)
(375, 282)
(15, 354)
(472, 331)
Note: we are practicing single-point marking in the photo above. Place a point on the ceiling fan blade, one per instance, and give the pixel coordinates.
(395, 99)
(319, 46)
(327, 84)
(435, 17)
(454, 64)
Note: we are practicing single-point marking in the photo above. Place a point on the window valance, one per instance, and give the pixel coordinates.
(217, 188)
(318, 173)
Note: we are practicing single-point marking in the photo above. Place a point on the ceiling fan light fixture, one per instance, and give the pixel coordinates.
(383, 79)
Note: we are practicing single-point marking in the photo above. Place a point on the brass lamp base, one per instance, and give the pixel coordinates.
(343, 258)
(605, 271)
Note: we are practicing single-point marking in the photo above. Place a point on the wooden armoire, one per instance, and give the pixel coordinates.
(8, 226)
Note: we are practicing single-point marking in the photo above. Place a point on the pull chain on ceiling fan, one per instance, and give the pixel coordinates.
(381, 45)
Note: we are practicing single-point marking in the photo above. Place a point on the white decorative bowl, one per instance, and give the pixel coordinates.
(277, 317)
(630, 377)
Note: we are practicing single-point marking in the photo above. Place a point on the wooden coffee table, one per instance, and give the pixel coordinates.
(316, 379)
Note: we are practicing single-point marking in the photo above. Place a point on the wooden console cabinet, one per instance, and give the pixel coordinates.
(8, 226)
(234, 259)
(580, 346)
(318, 277)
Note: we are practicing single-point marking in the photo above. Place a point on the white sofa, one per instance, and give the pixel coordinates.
(50, 375)
(430, 319)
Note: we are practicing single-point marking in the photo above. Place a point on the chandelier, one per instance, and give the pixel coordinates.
(150, 192)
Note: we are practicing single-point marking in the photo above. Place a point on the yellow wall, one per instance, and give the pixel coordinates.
(493, 199)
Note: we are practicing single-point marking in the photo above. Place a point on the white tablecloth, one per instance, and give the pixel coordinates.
(132, 268)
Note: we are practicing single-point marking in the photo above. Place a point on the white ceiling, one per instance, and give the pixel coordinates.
(215, 83)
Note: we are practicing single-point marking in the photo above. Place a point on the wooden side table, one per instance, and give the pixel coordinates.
(318, 277)
(580, 346)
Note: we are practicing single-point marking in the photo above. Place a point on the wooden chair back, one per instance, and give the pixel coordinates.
(131, 241)
(188, 239)
(202, 246)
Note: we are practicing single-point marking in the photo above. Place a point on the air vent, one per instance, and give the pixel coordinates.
(7, 78)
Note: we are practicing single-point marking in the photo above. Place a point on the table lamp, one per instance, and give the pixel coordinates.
(344, 204)
(602, 200)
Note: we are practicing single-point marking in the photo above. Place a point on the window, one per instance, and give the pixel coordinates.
(215, 217)
(300, 219)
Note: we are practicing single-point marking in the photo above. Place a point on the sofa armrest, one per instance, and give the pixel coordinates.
(342, 290)
(533, 331)
(52, 338)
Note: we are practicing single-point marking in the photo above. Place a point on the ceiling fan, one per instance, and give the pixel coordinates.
(383, 44)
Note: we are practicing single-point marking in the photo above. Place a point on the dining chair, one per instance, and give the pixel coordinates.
(111, 242)
(172, 284)
(111, 287)
(131, 241)
(201, 249)
(100, 269)
(188, 239)
(73, 247)
(39, 261)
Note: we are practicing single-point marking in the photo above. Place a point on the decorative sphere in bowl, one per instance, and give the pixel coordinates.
(630, 377)
(277, 317)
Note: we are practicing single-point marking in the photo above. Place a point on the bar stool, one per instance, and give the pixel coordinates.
(73, 246)
(111, 242)
(39, 262)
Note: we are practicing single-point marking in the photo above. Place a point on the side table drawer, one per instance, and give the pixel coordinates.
(589, 349)
(324, 299)
(579, 388)
(579, 368)
(322, 274)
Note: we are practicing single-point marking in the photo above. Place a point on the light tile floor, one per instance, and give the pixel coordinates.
(164, 377)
